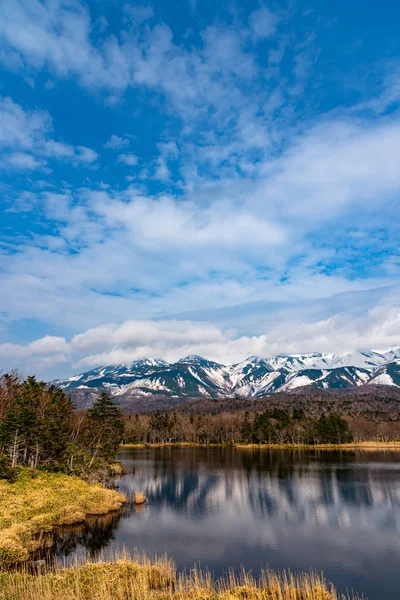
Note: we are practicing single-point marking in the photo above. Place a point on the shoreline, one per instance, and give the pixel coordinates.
(157, 579)
(34, 506)
(372, 445)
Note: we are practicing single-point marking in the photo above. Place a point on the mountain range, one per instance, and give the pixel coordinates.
(197, 377)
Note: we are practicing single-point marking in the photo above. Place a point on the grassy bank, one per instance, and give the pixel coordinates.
(127, 579)
(37, 503)
(372, 445)
(351, 446)
(175, 445)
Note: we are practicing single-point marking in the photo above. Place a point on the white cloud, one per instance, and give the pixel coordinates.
(128, 159)
(229, 242)
(144, 333)
(168, 148)
(139, 13)
(162, 172)
(26, 142)
(85, 155)
(263, 22)
(206, 85)
(58, 34)
(49, 344)
(19, 128)
(23, 161)
(268, 206)
(116, 142)
(202, 84)
(37, 355)
(172, 339)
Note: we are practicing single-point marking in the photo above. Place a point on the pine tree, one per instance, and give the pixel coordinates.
(333, 429)
(262, 428)
(37, 427)
(246, 429)
(106, 428)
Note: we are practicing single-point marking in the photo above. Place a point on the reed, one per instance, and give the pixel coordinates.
(140, 578)
(37, 503)
(139, 498)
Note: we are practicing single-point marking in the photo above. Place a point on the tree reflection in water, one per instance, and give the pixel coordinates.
(334, 511)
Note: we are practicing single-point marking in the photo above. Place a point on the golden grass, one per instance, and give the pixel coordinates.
(174, 445)
(352, 446)
(371, 445)
(36, 504)
(141, 579)
(139, 498)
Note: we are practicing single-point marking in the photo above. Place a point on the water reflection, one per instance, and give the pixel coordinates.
(335, 511)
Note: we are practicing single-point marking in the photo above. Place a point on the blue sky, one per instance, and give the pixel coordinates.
(219, 178)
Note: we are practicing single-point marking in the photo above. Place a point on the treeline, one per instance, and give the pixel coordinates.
(40, 428)
(268, 427)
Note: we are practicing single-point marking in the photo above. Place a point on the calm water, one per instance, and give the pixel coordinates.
(338, 512)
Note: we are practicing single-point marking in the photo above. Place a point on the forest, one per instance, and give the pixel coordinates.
(274, 427)
(40, 429)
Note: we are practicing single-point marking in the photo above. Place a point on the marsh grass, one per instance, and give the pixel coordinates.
(38, 503)
(140, 578)
(139, 498)
(370, 445)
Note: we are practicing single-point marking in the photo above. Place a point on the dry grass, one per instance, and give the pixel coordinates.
(36, 504)
(139, 498)
(372, 445)
(174, 445)
(141, 579)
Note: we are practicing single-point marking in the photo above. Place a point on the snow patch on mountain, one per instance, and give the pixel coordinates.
(194, 376)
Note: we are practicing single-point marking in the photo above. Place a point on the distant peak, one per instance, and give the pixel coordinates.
(151, 362)
(254, 359)
(192, 358)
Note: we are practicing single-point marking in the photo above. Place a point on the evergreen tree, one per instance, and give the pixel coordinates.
(6, 472)
(106, 428)
(55, 429)
(160, 427)
(333, 429)
(262, 428)
(246, 429)
(37, 427)
(298, 414)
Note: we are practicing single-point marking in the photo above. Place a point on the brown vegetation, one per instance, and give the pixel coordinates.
(37, 503)
(293, 427)
(127, 579)
(139, 498)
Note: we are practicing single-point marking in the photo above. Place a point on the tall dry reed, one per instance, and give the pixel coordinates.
(140, 578)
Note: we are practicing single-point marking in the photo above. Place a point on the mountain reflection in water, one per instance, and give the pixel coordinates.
(333, 511)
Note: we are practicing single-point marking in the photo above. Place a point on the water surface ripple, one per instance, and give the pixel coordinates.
(338, 512)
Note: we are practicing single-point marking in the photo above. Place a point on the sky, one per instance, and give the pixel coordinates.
(210, 177)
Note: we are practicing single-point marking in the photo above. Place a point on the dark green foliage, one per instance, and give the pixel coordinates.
(36, 427)
(262, 428)
(282, 417)
(298, 414)
(6, 471)
(333, 430)
(278, 427)
(39, 428)
(159, 425)
(247, 429)
(106, 427)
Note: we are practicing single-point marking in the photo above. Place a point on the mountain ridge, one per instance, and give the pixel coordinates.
(194, 376)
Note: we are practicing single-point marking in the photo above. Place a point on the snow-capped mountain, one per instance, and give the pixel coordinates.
(194, 376)
(360, 358)
(387, 374)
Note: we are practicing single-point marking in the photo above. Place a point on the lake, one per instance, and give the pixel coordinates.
(336, 512)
